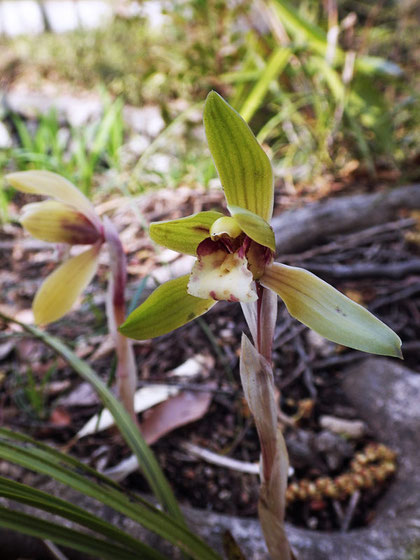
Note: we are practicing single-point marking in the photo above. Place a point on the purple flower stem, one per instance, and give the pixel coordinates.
(126, 367)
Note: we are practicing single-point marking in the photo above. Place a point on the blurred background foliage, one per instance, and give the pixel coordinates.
(330, 88)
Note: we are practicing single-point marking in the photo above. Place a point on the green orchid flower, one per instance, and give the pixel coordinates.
(67, 217)
(235, 254)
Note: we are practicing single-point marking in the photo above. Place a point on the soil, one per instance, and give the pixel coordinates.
(307, 373)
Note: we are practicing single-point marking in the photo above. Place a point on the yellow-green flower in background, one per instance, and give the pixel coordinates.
(235, 253)
(70, 218)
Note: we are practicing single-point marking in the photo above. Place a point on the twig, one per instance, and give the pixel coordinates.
(307, 371)
(374, 231)
(189, 387)
(348, 516)
(298, 230)
(397, 296)
(290, 335)
(333, 361)
(363, 270)
(55, 551)
(220, 460)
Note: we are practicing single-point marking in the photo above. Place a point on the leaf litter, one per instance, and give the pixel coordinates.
(195, 369)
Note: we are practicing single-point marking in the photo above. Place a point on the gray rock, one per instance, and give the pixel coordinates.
(5, 138)
(146, 120)
(334, 448)
(76, 111)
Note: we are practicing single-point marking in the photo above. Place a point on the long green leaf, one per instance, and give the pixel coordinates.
(176, 531)
(129, 430)
(23, 450)
(275, 66)
(41, 500)
(31, 525)
(316, 38)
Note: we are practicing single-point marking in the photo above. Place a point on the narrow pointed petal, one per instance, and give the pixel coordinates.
(61, 289)
(51, 184)
(325, 310)
(243, 166)
(185, 234)
(166, 309)
(254, 226)
(58, 223)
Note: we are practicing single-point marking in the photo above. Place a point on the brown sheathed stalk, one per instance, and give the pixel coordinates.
(258, 385)
(115, 306)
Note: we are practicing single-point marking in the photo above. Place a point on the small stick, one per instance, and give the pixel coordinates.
(348, 516)
(220, 460)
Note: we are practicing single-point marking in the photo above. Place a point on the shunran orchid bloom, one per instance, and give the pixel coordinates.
(235, 254)
(68, 217)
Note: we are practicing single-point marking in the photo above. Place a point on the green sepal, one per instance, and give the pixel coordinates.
(244, 168)
(254, 226)
(185, 234)
(325, 310)
(166, 309)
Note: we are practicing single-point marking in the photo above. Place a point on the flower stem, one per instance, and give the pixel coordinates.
(258, 384)
(126, 366)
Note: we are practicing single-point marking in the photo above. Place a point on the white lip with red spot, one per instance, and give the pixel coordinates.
(222, 276)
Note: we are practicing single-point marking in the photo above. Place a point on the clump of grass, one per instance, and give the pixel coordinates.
(139, 63)
(78, 153)
(317, 113)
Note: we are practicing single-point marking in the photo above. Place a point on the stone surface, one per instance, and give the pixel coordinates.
(27, 17)
(79, 110)
(5, 138)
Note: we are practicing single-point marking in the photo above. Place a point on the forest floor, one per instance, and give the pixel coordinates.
(197, 365)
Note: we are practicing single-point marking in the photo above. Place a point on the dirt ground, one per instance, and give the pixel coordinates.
(40, 395)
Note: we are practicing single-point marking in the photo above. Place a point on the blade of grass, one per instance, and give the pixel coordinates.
(41, 500)
(316, 38)
(275, 66)
(31, 525)
(179, 533)
(23, 450)
(129, 430)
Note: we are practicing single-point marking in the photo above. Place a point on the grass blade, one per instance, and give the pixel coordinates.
(31, 525)
(41, 500)
(129, 430)
(23, 450)
(275, 66)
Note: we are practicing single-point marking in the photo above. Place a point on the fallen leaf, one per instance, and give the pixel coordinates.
(144, 398)
(83, 395)
(177, 411)
(60, 417)
(6, 348)
(200, 364)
